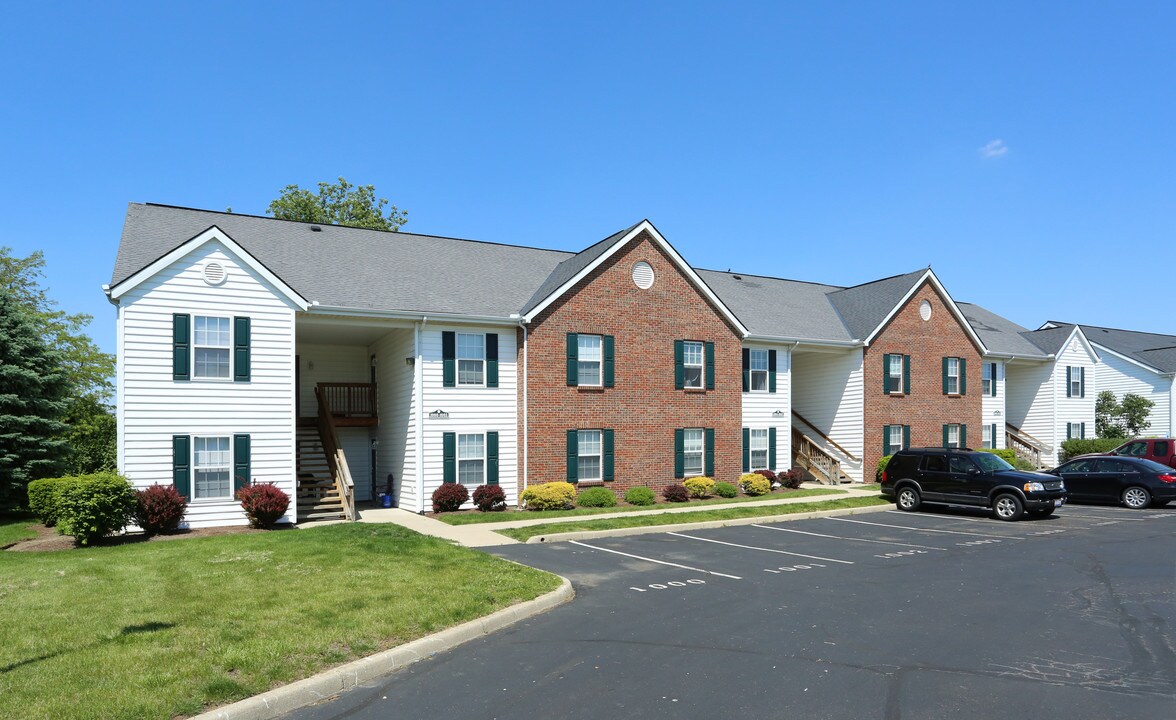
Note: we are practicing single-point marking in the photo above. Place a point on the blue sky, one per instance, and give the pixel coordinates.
(1026, 153)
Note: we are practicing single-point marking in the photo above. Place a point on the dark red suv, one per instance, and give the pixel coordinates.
(1161, 450)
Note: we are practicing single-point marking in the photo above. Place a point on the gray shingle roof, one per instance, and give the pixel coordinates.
(779, 308)
(864, 307)
(1049, 340)
(1152, 349)
(568, 269)
(999, 335)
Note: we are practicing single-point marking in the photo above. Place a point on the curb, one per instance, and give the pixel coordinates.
(646, 529)
(329, 683)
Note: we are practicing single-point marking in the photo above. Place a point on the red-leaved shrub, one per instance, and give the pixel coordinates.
(676, 493)
(449, 497)
(489, 498)
(264, 503)
(792, 478)
(771, 476)
(159, 508)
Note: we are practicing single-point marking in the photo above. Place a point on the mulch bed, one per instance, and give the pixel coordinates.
(48, 540)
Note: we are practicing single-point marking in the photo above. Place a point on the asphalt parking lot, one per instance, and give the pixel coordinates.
(936, 614)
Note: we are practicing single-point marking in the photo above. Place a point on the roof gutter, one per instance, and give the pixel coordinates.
(1015, 356)
(317, 309)
(796, 342)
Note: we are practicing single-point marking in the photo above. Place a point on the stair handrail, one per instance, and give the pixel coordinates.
(336, 459)
(815, 455)
(1024, 445)
(825, 437)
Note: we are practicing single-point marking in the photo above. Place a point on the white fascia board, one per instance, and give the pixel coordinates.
(316, 309)
(951, 305)
(794, 341)
(1082, 337)
(1010, 357)
(212, 234)
(645, 225)
(1103, 348)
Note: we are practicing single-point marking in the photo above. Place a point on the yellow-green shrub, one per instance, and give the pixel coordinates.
(755, 484)
(550, 496)
(699, 487)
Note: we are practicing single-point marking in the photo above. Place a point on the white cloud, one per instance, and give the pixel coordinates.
(994, 149)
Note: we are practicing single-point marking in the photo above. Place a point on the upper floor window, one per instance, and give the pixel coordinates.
(211, 341)
(989, 383)
(1075, 381)
(589, 359)
(895, 373)
(951, 376)
(211, 468)
(692, 363)
(758, 361)
(471, 359)
(693, 447)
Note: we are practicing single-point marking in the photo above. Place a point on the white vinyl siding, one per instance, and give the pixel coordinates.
(589, 450)
(397, 431)
(1121, 377)
(692, 363)
(1074, 409)
(693, 450)
(827, 390)
(764, 410)
(589, 358)
(154, 407)
(993, 405)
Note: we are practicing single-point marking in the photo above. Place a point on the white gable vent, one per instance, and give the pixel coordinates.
(643, 275)
(214, 273)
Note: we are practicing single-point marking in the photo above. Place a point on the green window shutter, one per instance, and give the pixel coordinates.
(746, 449)
(449, 362)
(679, 368)
(709, 453)
(886, 374)
(492, 458)
(181, 347)
(609, 360)
(1069, 372)
(182, 464)
(491, 359)
(906, 436)
(994, 376)
(573, 359)
(241, 354)
(772, 448)
(242, 470)
(608, 441)
(573, 472)
(906, 374)
(944, 376)
(746, 369)
(1082, 431)
(1069, 433)
(679, 460)
(771, 371)
(886, 440)
(1082, 382)
(944, 436)
(963, 376)
(710, 366)
(963, 435)
(449, 457)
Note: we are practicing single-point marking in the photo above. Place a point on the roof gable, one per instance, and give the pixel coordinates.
(1154, 351)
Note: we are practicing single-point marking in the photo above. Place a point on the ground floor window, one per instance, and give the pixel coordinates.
(211, 468)
(589, 455)
(693, 445)
(951, 436)
(759, 449)
(471, 459)
(986, 437)
(1075, 431)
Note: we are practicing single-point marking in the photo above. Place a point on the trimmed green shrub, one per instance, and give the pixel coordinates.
(489, 498)
(699, 487)
(1009, 455)
(449, 497)
(792, 478)
(550, 496)
(1083, 446)
(94, 506)
(45, 498)
(159, 508)
(596, 497)
(754, 484)
(726, 490)
(882, 462)
(640, 495)
(675, 493)
(264, 503)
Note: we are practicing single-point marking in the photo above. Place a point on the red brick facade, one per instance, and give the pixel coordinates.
(643, 408)
(926, 409)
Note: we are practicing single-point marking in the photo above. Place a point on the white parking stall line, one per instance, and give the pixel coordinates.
(915, 529)
(753, 547)
(1097, 516)
(990, 522)
(841, 537)
(652, 560)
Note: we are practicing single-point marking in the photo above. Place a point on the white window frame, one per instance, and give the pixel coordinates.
(988, 384)
(481, 458)
(953, 373)
(757, 364)
(896, 385)
(1074, 430)
(758, 443)
(226, 467)
(953, 442)
(196, 348)
(480, 360)
(688, 452)
(986, 439)
(687, 351)
(599, 455)
(1075, 381)
(598, 361)
(896, 446)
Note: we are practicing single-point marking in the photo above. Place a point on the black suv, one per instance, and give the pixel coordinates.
(953, 476)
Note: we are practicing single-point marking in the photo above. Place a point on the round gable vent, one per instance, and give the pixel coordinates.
(643, 275)
(925, 310)
(214, 273)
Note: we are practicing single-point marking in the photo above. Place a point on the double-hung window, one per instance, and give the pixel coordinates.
(589, 360)
(1075, 375)
(895, 374)
(759, 448)
(895, 438)
(471, 358)
(212, 469)
(1075, 431)
(758, 362)
(692, 363)
(589, 458)
(951, 376)
(471, 459)
(693, 442)
(211, 344)
(951, 436)
(986, 436)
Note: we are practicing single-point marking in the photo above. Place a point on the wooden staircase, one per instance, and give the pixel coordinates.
(1025, 445)
(318, 498)
(809, 455)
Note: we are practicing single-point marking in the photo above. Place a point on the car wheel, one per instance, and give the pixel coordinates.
(1007, 507)
(908, 499)
(1136, 498)
(1042, 513)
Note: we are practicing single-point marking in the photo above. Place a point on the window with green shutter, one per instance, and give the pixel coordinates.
(573, 456)
(241, 351)
(492, 458)
(181, 347)
(449, 361)
(491, 360)
(242, 465)
(609, 454)
(182, 464)
(710, 366)
(449, 457)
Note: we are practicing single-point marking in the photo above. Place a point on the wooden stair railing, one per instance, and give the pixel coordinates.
(812, 457)
(825, 437)
(1025, 445)
(336, 460)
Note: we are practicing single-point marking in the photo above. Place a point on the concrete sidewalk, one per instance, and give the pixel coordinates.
(484, 535)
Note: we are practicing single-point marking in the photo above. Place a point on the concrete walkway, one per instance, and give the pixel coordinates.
(484, 535)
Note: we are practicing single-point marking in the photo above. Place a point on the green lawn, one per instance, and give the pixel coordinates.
(470, 518)
(14, 527)
(675, 518)
(160, 629)
(868, 486)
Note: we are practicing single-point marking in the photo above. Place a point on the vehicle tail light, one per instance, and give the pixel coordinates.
(884, 476)
(1168, 478)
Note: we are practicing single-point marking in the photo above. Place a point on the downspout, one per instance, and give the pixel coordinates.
(526, 413)
(418, 370)
(1053, 384)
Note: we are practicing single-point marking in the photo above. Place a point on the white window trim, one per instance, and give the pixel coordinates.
(894, 446)
(986, 439)
(701, 365)
(988, 385)
(751, 450)
(752, 371)
(953, 429)
(457, 359)
(956, 376)
(598, 455)
(228, 466)
(1075, 381)
(202, 378)
(701, 453)
(599, 362)
(896, 385)
(458, 459)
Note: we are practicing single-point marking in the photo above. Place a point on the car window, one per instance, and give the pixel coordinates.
(934, 463)
(1161, 448)
(1077, 466)
(1153, 466)
(1115, 466)
(962, 465)
(990, 463)
(1135, 449)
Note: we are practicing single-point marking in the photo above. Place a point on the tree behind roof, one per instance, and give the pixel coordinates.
(340, 204)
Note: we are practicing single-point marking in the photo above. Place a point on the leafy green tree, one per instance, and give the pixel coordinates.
(1119, 419)
(1106, 416)
(92, 437)
(1134, 411)
(341, 204)
(34, 397)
